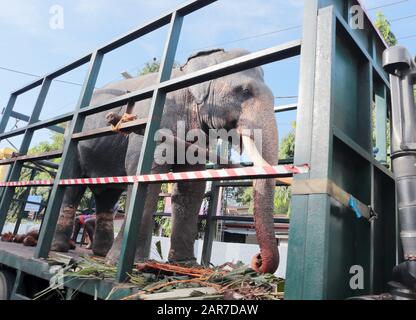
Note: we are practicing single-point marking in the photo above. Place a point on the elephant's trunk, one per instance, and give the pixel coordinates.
(267, 261)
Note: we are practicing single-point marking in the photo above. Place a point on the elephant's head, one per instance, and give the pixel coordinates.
(243, 101)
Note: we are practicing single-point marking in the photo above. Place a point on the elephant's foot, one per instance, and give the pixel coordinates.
(64, 230)
(185, 263)
(113, 256)
(182, 256)
(104, 234)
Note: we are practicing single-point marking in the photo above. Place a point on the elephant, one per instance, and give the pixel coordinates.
(241, 101)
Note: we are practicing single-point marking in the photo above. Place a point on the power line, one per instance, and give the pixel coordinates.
(251, 37)
(238, 40)
(407, 37)
(387, 5)
(286, 97)
(37, 76)
(403, 18)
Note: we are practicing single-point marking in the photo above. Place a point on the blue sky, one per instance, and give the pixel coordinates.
(30, 45)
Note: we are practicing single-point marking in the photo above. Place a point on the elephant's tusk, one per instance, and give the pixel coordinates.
(254, 153)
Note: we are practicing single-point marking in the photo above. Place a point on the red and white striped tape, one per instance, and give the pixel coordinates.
(222, 174)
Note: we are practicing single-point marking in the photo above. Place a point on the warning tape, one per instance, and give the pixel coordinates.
(221, 174)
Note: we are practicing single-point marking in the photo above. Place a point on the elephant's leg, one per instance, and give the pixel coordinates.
(64, 228)
(104, 226)
(144, 238)
(145, 234)
(114, 254)
(186, 203)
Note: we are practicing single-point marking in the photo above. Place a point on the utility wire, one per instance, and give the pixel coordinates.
(387, 5)
(36, 76)
(407, 37)
(237, 40)
(251, 37)
(403, 18)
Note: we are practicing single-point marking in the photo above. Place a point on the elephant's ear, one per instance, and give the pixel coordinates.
(199, 61)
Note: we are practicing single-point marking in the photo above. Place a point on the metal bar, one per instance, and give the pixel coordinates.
(69, 156)
(106, 131)
(280, 52)
(323, 25)
(289, 107)
(228, 218)
(249, 61)
(20, 116)
(184, 9)
(246, 219)
(30, 158)
(8, 194)
(136, 207)
(48, 164)
(23, 117)
(23, 204)
(252, 60)
(7, 113)
(360, 151)
(381, 122)
(210, 226)
(38, 125)
(249, 183)
(54, 74)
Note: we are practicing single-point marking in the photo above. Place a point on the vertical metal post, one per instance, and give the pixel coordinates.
(294, 276)
(23, 204)
(381, 122)
(139, 190)
(68, 158)
(14, 175)
(7, 113)
(210, 226)
(306, 276)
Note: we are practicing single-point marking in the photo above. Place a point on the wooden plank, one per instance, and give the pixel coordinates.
(107, 131)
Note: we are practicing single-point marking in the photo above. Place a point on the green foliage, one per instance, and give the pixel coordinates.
(153, 67)
(150, 67)
(384, 26)
(287, 148)
(282, 198)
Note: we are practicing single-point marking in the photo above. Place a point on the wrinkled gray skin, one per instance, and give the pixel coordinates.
(240, 101)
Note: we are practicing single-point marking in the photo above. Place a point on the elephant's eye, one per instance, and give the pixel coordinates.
(246, 92)
(243, 91)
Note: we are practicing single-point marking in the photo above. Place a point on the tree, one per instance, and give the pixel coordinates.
(287, 148)
(150, 67)
(384, 26)
(153, 67)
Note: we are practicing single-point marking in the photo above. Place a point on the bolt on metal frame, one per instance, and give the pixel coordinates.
(319, 142)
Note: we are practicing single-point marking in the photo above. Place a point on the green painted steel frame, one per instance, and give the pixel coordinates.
(334, 135)
(83, 109)
(318, 142)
